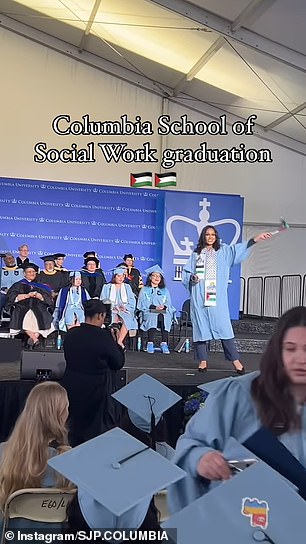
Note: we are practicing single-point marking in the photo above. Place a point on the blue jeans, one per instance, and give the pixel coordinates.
(229, 348)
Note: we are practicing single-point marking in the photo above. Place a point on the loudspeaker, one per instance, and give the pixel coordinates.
(10, 350)
(42, 365)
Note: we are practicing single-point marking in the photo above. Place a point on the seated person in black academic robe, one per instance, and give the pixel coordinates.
(133, 275)
(93, 278)
(92, 359)
(31, 306)
(59, 261)
(55, 279)
(23, 257)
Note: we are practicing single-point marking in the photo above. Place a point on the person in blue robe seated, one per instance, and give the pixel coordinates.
(206, 277)
(154, 303)
(69, 309)
(39, 434)
(123, 303)
(272, 400)
(10, 274)
(31, 306)
(93, 277)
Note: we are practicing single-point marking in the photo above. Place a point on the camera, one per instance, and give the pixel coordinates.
(108, 317)
(115, 326)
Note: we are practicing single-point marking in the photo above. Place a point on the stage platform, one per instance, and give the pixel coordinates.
(174, 369)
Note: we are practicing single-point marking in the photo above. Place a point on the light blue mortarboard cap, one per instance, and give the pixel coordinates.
(116, 470)
(256, 505)
(155, 268)
(120, 270)
(143, 396)
(75, 274)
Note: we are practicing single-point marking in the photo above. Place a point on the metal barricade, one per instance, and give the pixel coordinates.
(291, 291)
(272, 296)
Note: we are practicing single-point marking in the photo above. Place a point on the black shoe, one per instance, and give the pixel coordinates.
(239, 371)
(30, 343)
(204, 369)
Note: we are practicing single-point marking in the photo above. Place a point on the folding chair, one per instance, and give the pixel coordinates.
(45, 505)
(160, 500)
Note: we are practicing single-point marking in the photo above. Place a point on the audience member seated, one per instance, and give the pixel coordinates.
(23, 257)
(31, 306)
(272, 400)
(123, 303)
(93, 278)
(133, 275)
(69, 309)
(51, 277)
(10, 274)
(92, 358)
(157, 311)
(39, 434)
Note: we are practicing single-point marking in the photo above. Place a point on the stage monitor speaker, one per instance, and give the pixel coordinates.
(42, 365)
(10, 350)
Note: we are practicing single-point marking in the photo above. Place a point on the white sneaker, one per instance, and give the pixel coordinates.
(164, 347)
(150, 347)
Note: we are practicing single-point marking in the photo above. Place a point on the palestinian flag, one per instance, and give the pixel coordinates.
(165, 180)
(144, 179)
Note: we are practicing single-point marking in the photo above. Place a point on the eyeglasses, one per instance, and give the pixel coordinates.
(155, 276)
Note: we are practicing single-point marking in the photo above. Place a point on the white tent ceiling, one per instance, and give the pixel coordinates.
(239, 57)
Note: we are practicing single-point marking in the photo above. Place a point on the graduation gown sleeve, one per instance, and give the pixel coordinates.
(228, 411)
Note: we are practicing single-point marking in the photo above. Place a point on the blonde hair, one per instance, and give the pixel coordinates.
(24, 459)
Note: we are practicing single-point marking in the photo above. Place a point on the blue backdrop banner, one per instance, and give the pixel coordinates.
(185, 217)
(73, 218)
(156, 226)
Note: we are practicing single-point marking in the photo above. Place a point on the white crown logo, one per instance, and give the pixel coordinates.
(67, 205)
(41, 220)
(144, 226)
(184, 248)
(118, 208)
(42, 186)
(65, 237)
(95, 190)
(117, 241)
(93, 223)
(142, 258)
(14, 201)
(13, 234)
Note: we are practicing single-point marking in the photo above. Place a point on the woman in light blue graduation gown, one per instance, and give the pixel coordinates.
(238, 407)
(154, 302)
(206, 276)
(123, 303)
(69, 309)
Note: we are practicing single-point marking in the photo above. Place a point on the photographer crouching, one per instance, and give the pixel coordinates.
(92, 358)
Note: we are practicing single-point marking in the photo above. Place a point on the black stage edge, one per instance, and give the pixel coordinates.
(177, 370)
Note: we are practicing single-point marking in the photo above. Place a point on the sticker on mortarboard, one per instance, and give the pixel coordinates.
(256, 510)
